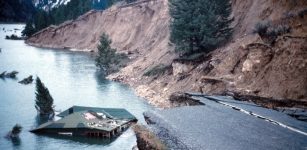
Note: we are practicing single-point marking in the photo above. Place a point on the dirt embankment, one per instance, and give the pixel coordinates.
(245, 65)
(146, 140)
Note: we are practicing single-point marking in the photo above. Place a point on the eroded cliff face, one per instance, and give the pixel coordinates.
(143, 25)
(246, 64)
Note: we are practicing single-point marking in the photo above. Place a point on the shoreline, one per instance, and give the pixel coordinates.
(152, 97)
(161, 100)
(155, 98)
(59, 48)
(140, 90)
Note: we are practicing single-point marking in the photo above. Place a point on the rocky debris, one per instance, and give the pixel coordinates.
(212, 80)
(277, 71)
(8, 75)
(146, 140)
(152, 96)
(267, 102)
(119, 78)
(179, 99)
(298, 113)
(148, 120)
(189, 127)
(27, 80)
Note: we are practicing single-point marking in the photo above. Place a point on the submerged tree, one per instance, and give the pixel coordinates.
(16, 129)
(43, 101)
(14, 133)
(199, 25)
(106, 55)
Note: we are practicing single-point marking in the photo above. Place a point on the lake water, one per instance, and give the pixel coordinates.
(72, 79)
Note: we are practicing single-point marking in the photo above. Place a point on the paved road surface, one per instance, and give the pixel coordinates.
(223, 123)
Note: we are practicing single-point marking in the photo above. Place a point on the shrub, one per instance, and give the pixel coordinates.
(269, 32)
(106, 54)
(302, 13)
(13, 37)
(14, 133)
(107, 59)
(261, 28)
(282, 29)
(29, 30)
(16, 129)
(157, 70)
(272, 31)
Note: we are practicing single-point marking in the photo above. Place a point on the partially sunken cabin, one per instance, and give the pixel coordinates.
(89, 121)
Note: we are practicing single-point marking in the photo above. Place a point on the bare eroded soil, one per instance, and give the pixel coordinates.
(246, 64)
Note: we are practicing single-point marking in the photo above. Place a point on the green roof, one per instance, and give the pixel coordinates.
(106, 119)
(116, 113)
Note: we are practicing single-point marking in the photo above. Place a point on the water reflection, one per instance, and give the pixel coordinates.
(16, 141)
(40, 120)
(100, 78)
(79, 139)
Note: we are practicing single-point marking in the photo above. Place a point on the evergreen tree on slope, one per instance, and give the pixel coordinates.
(199, 25)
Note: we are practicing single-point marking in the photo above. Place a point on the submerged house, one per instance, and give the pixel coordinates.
(89, 121)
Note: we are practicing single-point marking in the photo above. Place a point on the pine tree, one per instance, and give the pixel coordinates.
(29, 29)
(199, 25)
(14, 133)
(16, 129)
(106, 55)
(43, 101)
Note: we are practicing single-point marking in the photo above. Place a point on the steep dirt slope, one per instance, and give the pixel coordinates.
(133, 27)
(243, 66)
(246, 64)
(140, 29)
(251, 66)
(278, 71)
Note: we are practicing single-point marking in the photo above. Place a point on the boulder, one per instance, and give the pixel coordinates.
(180, 68)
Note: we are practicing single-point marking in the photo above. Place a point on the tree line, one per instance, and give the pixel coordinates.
(42, 19)
(73, 9)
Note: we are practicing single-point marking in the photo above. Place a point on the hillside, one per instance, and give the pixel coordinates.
(246, 65)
